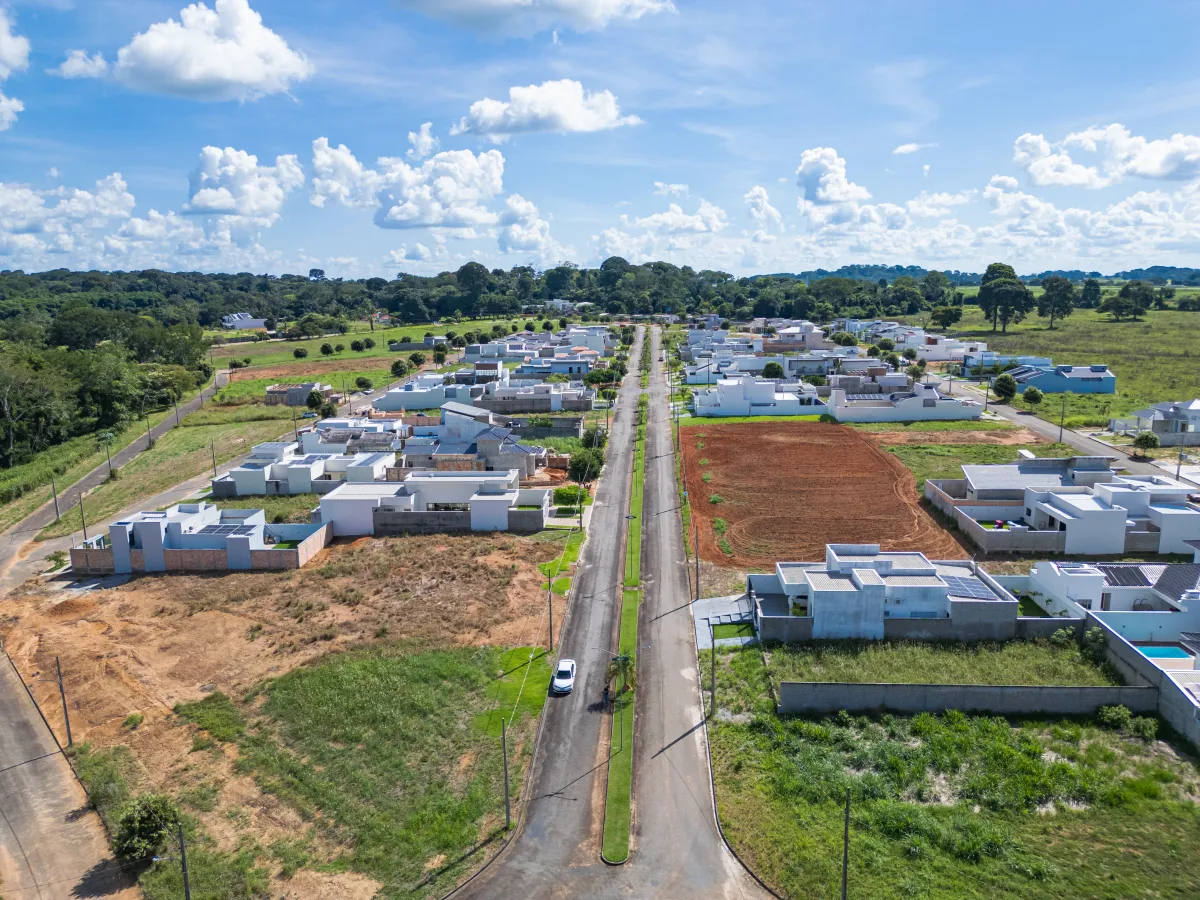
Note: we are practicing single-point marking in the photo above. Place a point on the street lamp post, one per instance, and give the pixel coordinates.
(1062, 418)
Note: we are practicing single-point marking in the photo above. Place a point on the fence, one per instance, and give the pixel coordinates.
(827, 697)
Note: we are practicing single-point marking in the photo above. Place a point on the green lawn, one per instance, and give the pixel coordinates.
(1026, 607)
(620, 763)
(1153, 359)
(911, 662)
(951, 806)
(288, 508)
(946, 460)
(963, 425)
(394, 755)
(733, 630)
(180, 454)
(253, 390)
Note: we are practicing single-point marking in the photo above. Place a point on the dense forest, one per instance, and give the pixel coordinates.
(86, 351)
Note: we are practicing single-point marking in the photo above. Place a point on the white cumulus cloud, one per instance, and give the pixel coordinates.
(531, 16)
(79, 65)
(938, 204)
(1120, 153)
(423, 142)
(708, 219)
(418, 252)
(222, 53)
(450, 189)
(758, 204)
(231, 182)
(667, 189)
(14, 57)
(523, 230)
(562, 106)
(826, 193)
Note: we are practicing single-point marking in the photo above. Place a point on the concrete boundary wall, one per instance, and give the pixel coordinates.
(828, 697)
(1029, 627)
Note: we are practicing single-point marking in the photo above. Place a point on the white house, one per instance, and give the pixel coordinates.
(800, 336)
(859, 586)
(436, 501)
(427, 390)
(279, 468)
(296, 394)
(1174, 423)
(924, 403)
(242, 320)
(745, 395)
(1075, 588)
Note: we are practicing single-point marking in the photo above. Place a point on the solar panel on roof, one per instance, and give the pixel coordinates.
(968, 586)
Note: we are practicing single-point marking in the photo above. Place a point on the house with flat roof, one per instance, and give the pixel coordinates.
(1108, 516)
(1095, 379)
(427, 390)
(280, 468)
(799, 336)
(197, 537)
(436, 501)
(242, 320)
(978, 361)
(745, 395)
(921, 403)
(863, 592)
(1176, 423)
(296, 394)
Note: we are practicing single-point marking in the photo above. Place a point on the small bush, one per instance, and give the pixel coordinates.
(216, 714)
(1064, 637)
(715, 498)
(133, 720)
(1145, 727)
(144, 826)
(1118, 717)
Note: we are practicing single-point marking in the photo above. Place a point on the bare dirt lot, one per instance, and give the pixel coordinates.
(146, 645)
(784, 491)
(1002, 436)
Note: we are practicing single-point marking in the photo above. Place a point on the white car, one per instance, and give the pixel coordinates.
(563, 681)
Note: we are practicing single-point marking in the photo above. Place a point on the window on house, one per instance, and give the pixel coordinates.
(1105, 601)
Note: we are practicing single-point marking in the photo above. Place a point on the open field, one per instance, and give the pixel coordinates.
(269, 352)
(1153, 359)
(250, 385)
(182, 453)
(782, 492)
(343, 719)
(911, 662)
(950, 806)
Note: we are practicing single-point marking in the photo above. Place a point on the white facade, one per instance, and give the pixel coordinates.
(277, 468)
(745, 395)
(1074, 589)
(924, 403)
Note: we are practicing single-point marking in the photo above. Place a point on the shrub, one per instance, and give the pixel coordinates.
(338, 348)
(417, 358)
(1118, 717)
(1005, 388)
(1032, 396)
(1095, 643)
(314, 400)
(363, 383)
(300, 353)
(585, 465)
(715, 498)
(328, 410)
(1145, 727)
(1147, 440)
(772, 370)
(144, 826)
(327, 349)
(568, 495)
(133, 720)
(399, 368)
(357, 346)
(595, 436)
(369, 343)
(1064, 637)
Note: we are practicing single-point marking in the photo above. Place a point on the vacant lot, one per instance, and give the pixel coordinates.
(951, 806)
(913, 662)
(342, 720)
(946, 459)
(768, 492)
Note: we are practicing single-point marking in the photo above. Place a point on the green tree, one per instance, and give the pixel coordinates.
(1139, 295)
(585, 465)
(1005, 388)
(987, 297)
(417, 358)
(327, 349)
(1090, 298)
(621, 669)
(472, 278)
(328, 409)
(547, 325)
(945, 316)
(357, 346)
(314, 400)
(595, 436)
(1116, 306)
(363, 383)
(1032, 396)
(1145, 441)
(1057, 300)
(300, 353)
(369, 343)
(936, 288)
(910, 353)
(772, 370)
(886, 345)
(338, 348)
(399, 368)
(145, 826)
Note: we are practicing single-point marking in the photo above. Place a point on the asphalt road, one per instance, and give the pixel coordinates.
(676, 852)
(40, 798)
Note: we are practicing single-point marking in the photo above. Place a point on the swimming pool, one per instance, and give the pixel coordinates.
(1169, 651)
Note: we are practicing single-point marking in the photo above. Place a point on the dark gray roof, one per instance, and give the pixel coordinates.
(1177, 579)
(1170, 580)
(455, 448)
(463, 409)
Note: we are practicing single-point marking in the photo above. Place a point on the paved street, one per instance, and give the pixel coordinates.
(676, 852)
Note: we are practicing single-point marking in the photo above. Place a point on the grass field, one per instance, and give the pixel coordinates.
(946, 460)
(733, 630)
(288, 508)
(1153, 359)
(271, 352)
(182, 453)
(951, 806)
(246, 389)
(905, 662)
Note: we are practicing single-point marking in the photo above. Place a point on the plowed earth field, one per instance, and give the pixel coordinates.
(788, 489)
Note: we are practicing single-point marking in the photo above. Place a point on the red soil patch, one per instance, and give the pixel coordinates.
(789, 489)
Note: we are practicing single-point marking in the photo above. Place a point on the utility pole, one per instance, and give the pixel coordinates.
(1062, 418)
(82, 517)
(1179, 463)
(54, 489)
(697, 555)
(846, 846)
(987, 388)
(62, 693)
(149, 436)
(187, 887)
(550, 607)
(108, 453)
(504, 750)
(295, 425)
(212, 445)
(175, 401)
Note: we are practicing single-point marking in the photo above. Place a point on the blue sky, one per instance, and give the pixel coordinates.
(749, 137)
